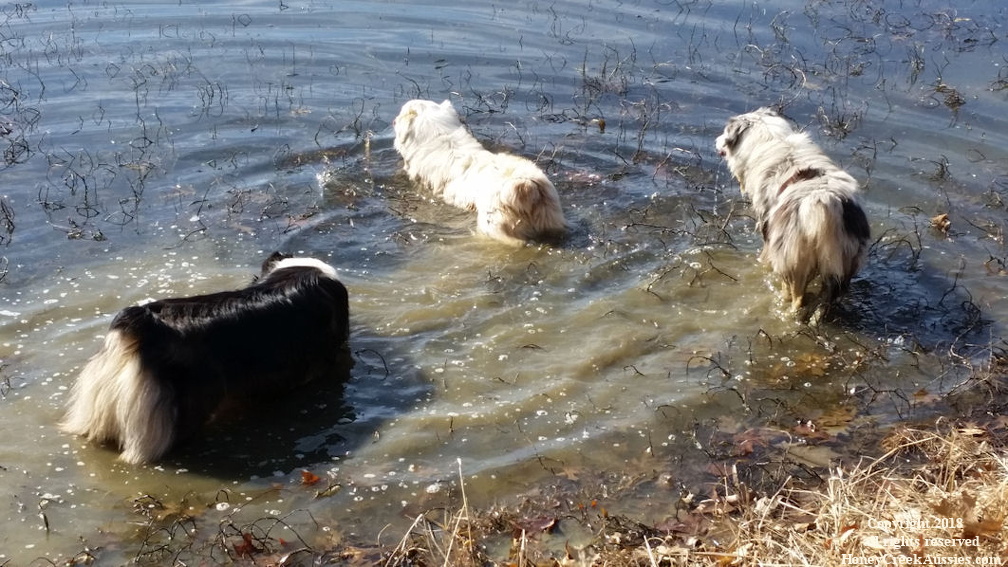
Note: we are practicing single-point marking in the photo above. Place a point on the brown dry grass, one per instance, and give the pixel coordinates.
(936, 496)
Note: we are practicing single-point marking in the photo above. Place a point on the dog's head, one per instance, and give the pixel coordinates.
(746, 139)
(270, 263)
(767, 120)
(279, 261)
(423, 119)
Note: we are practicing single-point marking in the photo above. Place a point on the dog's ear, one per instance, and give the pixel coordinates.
(273, 259)
(447, 105)
(409, 115)
(403, 124)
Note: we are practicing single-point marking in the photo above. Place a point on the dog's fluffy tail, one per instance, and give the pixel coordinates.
(524, 207)
(839, 235)
(115, 400)
(535, 204)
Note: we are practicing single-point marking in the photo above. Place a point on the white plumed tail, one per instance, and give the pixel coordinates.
(838, 253)
(539, 205)
(525, 208)
(114, 400)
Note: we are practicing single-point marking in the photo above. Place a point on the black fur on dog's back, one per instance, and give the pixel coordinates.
(855, 220)
(199, 342)
(167, 366)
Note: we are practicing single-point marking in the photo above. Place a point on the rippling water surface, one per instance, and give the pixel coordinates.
(156, 150)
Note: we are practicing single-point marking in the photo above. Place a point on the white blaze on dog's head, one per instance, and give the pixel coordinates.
(319, 265)
(729, 137)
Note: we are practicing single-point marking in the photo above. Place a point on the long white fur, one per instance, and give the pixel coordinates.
(513, 199)
(805, 228)
(112, 400)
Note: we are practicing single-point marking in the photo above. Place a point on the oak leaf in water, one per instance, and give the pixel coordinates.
(747, 441)
(352, 556)
(535, 525)
(923, 396)
(810, 431)
(941, 223)
(836, 419)
(247, 547)
(309, 478)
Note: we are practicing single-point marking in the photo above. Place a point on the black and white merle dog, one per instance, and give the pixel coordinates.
(807, 209)
(167, 366)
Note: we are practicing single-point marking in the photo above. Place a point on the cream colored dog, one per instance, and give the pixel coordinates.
(807, 208)
(513, 199)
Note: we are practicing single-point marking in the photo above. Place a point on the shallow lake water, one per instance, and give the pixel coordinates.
(154, 150)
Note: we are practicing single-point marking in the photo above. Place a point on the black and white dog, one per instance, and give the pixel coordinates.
(167, 366)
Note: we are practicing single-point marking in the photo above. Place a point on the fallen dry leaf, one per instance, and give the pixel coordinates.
(309, 478)
(247, 547)
(538, 524)
(941, 222)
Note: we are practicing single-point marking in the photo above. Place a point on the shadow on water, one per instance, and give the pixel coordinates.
(259, 436)
(319, 423)
(902, 299)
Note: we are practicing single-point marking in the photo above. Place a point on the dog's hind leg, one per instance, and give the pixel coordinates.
(147, 412)
(794, 293)
(797, 275)
(833, 288)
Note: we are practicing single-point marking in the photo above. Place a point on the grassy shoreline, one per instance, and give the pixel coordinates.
(937, 493)
(930, 492)
(937, 496)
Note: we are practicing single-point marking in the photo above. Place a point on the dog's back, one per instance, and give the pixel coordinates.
(815, 230)
(277, 326)
(166, 366)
